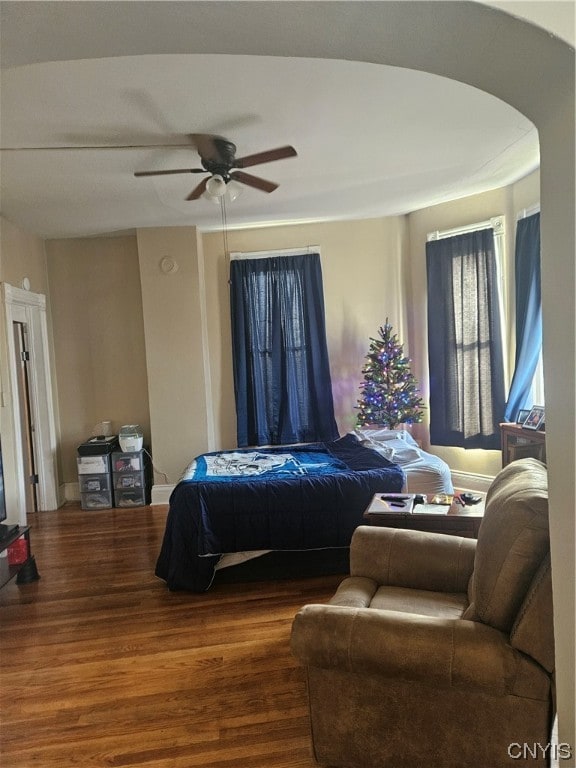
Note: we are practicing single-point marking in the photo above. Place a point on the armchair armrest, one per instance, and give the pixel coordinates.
(406, 558)
(388, 644)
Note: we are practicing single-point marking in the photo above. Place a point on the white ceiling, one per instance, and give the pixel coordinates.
(371, 140)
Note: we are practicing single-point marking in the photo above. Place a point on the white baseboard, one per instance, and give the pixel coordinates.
(71, 491)
(161, 493)
(61, 494)
(471, 481)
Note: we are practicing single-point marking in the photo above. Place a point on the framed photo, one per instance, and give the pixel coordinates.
(522, 416)
(535, 418)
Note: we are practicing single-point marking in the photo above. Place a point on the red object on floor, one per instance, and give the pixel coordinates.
(18, 552)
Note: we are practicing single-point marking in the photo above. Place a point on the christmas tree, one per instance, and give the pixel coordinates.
(389, 391)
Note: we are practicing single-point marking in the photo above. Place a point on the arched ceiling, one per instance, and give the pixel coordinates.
(372, 139)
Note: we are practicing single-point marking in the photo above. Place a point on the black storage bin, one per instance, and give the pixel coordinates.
(99, 446)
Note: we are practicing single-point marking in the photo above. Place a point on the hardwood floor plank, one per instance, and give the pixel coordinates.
(103, 666)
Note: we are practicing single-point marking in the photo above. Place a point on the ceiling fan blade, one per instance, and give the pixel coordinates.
(198, 191)
(254, 181)
(96, 146)
(212, 148)
(166, 173)
(265, 157)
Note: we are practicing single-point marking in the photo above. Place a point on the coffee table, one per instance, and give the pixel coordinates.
(455, 520)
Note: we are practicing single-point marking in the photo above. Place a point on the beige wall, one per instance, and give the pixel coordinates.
(174, 328)
(362, 272)
(22, 255)
(136, 344)
(99, 349)
(125, 328)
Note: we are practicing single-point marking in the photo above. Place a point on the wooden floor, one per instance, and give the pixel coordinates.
(101, 665)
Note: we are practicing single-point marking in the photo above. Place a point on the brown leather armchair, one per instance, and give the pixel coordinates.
(438, 651)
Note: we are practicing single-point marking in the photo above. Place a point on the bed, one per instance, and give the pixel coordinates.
(231, 506)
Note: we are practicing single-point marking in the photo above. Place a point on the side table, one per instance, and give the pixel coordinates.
(518, 442)
(455, 520)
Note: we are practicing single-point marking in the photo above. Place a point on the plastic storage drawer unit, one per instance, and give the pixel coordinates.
(94, 481)
(131, 479)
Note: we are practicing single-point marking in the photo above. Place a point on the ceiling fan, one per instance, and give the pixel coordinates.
(218, 158)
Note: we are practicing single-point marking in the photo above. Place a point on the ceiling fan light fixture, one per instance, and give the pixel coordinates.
(233, 190)
(216, 186)
(212, 198)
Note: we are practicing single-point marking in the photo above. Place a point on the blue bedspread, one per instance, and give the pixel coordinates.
(288, 498)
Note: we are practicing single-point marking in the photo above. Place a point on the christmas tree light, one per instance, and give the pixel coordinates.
(389, 390)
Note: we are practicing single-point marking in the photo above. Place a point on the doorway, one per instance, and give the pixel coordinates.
(29, 431)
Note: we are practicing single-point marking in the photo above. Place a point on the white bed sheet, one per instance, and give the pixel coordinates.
(425, 473)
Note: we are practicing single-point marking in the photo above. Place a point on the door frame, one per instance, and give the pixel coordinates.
(30, 308)
(22, 366)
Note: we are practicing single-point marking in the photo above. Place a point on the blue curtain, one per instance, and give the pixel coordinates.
(528, 314)
(281, 370)
(464, 341)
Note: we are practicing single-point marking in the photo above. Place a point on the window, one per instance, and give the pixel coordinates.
(281, 371)
(465, 337)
